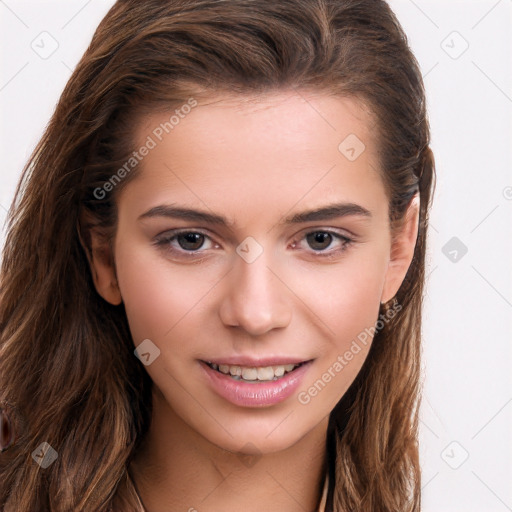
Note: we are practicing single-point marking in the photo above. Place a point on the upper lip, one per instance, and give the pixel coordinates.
(253, 362)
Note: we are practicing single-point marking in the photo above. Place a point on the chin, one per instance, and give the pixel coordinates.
(259, 437)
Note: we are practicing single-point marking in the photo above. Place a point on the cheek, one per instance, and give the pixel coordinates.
(355, 304)
(345, 296)
(347, 300)
(157, 298)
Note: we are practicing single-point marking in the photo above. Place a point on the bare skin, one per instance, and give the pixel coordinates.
(258, 164)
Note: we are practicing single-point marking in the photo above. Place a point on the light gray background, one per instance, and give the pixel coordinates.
(465, 51)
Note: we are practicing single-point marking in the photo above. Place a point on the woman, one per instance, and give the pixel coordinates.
(212, 281)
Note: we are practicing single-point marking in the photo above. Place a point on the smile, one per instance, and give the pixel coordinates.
(254, 374)
(245, 383)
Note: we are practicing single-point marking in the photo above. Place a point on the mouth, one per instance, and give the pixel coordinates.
(255, 374)
(249, 382)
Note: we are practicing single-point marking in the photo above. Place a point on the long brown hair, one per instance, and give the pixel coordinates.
(68, 376)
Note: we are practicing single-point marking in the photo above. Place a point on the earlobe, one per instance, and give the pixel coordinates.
(402, 251)
(101, 263)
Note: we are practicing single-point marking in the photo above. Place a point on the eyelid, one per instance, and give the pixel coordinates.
(346, 239)
(342, 238)
(338, 232)
(169, 233)
(165, 238)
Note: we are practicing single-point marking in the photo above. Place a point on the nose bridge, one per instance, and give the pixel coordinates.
(255, 280)
(256, 299)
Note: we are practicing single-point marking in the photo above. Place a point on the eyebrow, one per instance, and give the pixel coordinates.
(329, 212)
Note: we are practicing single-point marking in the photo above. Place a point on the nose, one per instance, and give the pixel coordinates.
(255, 299)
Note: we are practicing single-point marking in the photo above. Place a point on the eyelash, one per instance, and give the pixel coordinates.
(165, 240)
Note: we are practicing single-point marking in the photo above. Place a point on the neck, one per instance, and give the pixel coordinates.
(178, 469)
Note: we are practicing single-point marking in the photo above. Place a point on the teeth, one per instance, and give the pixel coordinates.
(265, 373)
(235, 370)
(250, 373)
(279, 371)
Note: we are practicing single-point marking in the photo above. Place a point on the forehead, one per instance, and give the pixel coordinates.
(278, 148)
(287, 114)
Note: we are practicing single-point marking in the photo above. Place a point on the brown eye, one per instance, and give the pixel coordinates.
(190, 241)
(185, 244)
(319, 240)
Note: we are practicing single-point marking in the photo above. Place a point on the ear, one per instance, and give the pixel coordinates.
(402, 250)
(101, 262)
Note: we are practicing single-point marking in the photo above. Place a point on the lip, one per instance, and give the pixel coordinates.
(260, 394)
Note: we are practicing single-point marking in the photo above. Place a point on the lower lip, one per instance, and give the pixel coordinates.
(259, 394)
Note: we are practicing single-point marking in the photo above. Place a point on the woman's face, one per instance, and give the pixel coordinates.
(255, 236)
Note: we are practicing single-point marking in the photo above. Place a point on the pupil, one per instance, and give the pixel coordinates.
(319, 240)
(191, 241)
